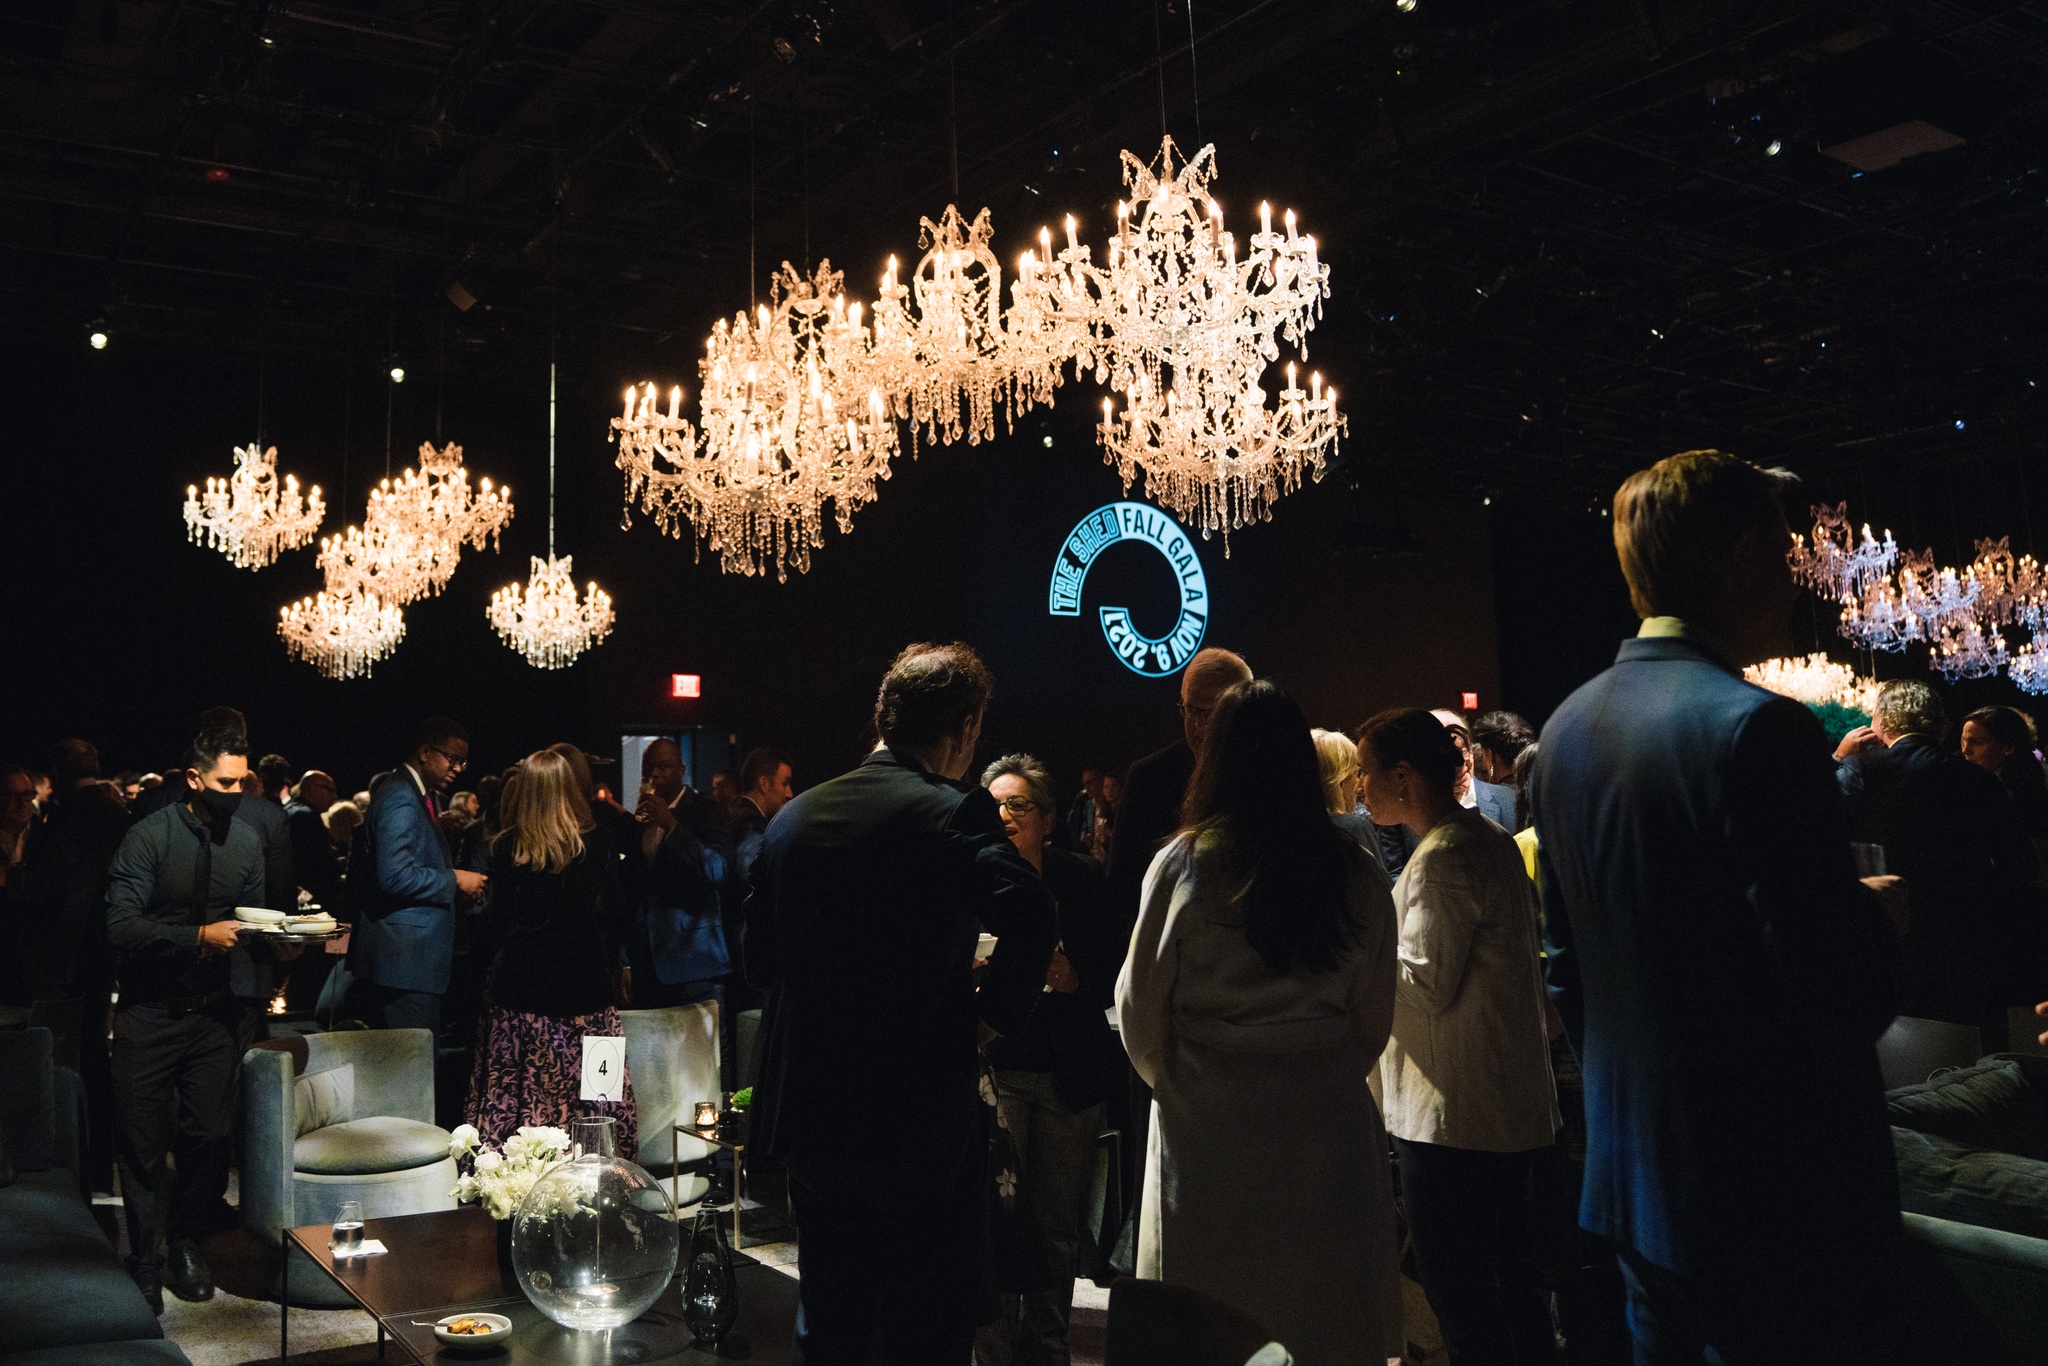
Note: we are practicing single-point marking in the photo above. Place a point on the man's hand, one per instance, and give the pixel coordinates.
(656, 813)
(470, 884)
(1891, 893)
(2042, 1009)
(1060, 975)
(1858, 740)
(219, 937)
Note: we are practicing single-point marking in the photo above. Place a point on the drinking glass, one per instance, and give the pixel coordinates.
(348, 1228)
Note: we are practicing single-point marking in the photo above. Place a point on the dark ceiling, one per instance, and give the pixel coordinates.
(1566, 235)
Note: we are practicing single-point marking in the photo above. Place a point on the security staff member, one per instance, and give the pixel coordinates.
(171, 894)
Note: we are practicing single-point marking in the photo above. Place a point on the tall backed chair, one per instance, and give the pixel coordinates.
(334, 1117)
(1912, 1050)
(672, 1058)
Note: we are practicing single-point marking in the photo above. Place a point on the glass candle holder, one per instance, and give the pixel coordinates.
(707, 1114)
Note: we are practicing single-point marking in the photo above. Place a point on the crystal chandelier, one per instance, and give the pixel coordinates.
(341, 634)
(247, 516)
(2029, 667)
(1186, 332)
(793, 417)
(1815, 679)
(543, 619)
(412, 537)
(946, 363)
(1835, 565)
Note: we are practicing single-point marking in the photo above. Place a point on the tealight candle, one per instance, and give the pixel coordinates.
(707, 1114)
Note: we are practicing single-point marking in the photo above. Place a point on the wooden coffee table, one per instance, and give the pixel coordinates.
(447, 1262)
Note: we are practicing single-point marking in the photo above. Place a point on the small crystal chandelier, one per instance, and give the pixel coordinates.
(2029, 667)
(1186, 332)
(343, 634)
(543, 619)
(412, 536)
(947, 362)
(1815, 679)
(793, 417)
(1835, 565)
(247, 516)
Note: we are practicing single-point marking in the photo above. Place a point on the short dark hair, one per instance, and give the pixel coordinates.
(276, 772)
(210, 746)
(73, 761)
(437, 730)
(1503, 734)
(1412, 736)
(762, 761)
(929, 692)
(222, 718)
(1677, 522)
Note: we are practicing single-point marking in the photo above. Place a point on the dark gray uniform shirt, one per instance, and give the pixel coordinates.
(152, 919)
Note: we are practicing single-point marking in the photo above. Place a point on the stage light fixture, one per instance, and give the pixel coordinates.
(98, 340)
(1774, 148)
(1405, 6)
(398, 374)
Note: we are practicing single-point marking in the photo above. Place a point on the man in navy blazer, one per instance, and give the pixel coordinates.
(404, 887)
(1723, 976)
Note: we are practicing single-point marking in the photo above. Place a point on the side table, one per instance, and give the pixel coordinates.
(738, 1149)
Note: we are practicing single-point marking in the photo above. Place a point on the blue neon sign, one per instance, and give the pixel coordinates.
(1105, 527)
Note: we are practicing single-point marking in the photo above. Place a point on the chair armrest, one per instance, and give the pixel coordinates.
(270, 1126)
(68, 1120)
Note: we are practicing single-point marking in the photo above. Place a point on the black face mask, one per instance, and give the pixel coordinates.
(220, 806)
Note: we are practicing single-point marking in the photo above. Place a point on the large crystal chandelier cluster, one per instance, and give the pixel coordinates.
(249, 516)
(1891, 599)
(799, 401)
(406, 548)
(1815, 679)
(544, 619)
(794, 417)
(1186, 332)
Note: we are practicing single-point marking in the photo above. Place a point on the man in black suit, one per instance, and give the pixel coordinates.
(1150, 810)
(1723, 977)
(1950, 829)
(766, 786)
(868, 897)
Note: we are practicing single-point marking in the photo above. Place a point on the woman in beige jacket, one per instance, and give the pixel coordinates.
(1255, 1001)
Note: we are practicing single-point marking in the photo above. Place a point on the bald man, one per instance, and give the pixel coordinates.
(1150, 810)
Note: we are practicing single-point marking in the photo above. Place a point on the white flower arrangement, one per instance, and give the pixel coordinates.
(500, 1180)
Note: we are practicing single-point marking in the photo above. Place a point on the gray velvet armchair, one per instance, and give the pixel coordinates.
(334, 1117)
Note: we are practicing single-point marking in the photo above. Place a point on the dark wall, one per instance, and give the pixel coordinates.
(120, 631)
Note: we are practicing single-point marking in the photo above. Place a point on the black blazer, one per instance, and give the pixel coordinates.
(1069, 1034)
(1952, 831)
(1723, 975)
(556, 934)
(867, 898)
(1145, 819)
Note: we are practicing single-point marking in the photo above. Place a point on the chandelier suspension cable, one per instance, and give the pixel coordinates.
(1159, 67)
(262, 357)
(1194, 75)
(752, 231)
(952, 100)
(551, 425)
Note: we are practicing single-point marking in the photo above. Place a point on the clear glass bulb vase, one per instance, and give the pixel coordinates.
(594, 1241)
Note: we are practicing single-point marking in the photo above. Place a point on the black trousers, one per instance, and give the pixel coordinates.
(174, 1080)
(1838, 1304)
(397, 1008)
(894, 1262)
(1477, 1223)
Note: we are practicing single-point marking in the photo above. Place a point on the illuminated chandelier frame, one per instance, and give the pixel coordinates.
(544, 619)
(248, 516)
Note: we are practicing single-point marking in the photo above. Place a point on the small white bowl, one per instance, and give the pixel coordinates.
(984, 946)
(311, 924)
(257, 915)
(500, 1327)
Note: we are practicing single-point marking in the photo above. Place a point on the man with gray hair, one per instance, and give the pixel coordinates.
(1949, 828)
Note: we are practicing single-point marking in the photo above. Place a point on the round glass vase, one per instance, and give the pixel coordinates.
(594, 1241)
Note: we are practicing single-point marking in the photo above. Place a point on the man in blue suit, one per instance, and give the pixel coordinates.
(404, 888)
(1723, 977)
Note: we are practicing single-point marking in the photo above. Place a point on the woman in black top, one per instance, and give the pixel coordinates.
(554, 916)
(1050, 1082)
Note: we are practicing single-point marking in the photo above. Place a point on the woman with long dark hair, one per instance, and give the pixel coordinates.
(1466, 1077)
(554, 914)
(1256, 1000)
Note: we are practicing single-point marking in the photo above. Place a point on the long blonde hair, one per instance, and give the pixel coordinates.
(544, 813)
(1337, 758)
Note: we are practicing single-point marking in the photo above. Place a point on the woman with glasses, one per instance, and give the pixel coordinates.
(1050, 1082)
(555, 915)
(1256, 1001)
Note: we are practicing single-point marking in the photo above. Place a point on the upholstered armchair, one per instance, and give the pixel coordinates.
(334, 1117)
(672, 1057)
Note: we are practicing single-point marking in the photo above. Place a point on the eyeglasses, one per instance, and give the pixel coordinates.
(1195, 713)
(458, 762)
(1020, 806)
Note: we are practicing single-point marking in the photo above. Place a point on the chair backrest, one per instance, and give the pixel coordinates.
(672, 1059)
(394, 1069)
(28, 1101)
(1913, 1050)
(65, 1019)
(1152, 1323)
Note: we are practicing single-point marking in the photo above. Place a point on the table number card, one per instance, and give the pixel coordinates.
(604, 1067)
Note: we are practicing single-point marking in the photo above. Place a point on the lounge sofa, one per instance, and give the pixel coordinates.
(65, 1299)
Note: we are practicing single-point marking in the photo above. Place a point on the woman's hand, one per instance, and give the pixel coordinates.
(1060, 975)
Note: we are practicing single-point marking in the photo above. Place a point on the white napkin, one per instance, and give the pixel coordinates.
(370, 1247)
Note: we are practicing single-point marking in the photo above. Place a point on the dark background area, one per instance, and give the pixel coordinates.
(1567, 237)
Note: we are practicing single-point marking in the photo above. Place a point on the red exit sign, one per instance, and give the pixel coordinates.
(1470, 701)
(685, 685)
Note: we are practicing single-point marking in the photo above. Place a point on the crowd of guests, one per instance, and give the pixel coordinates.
(1430, 976)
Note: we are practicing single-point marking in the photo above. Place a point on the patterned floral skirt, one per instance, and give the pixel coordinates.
(529, 1070)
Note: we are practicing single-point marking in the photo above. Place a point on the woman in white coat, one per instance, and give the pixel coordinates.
(1256, 1000)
